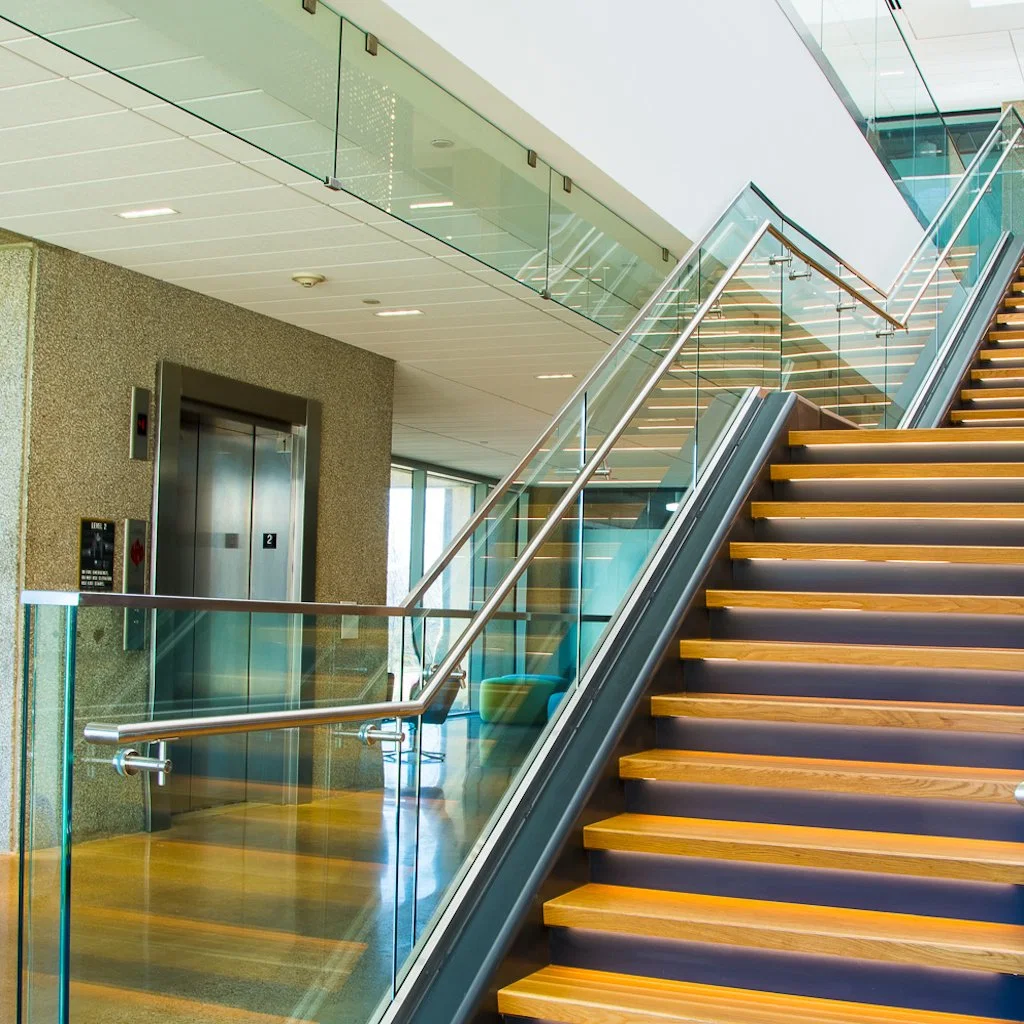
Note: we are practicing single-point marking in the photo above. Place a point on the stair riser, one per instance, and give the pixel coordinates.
(879, 577)
(828, 810)
(859, 890)
(953, 452)
(899, 490)
(852, 682)
(828, 977)
(840, 627)
(845, 742)
(998, 532)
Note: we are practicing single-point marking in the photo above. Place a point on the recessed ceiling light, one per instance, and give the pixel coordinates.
(371, 302)
(153, 211)
(400, 312)
(555, 376)
(442, 143)
(434, 204)
(891, 74)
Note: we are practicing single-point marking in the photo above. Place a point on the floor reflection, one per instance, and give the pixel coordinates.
(263, 912)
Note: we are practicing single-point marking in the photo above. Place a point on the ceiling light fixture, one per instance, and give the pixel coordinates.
(555, 376)
(400, 312)
(442, 143)
(153, 211)
(434, 204)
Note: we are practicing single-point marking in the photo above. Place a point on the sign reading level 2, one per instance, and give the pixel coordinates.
(96, 555)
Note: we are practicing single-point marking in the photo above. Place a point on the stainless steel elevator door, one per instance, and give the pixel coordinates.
(235, 528)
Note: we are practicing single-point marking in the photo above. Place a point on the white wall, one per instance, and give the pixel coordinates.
(677, 103)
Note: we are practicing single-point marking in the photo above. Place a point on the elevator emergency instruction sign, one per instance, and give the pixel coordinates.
(96, 555)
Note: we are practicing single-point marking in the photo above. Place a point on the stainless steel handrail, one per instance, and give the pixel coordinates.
(961, 227)
(926, 238)
(217, 605)
(496, 493)
(833, 277)
(106, 733)
(787, 220)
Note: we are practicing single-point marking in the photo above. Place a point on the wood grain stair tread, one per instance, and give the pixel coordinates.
(980, 860)
(899, 470)
(1001, 373)
(882, 714)
(575, 995)
(992, 659)
(945, 553)
(910, 603)
(823, 775)
(791, 927)
(1002, 415)
(944, 435)
(1007, 354)
(887, 509)
(976, 394)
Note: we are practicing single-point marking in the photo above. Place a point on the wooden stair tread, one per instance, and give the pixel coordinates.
(996, 355)
(950, 435)
(910, 603)
(575, 995)
(891, 656)
(982, 860)
(883, 714)
(824, 775)
(976, 415)
(1001, 373)
(791, 927)
(945, 553)
(975, 394)
(887, 509)
(898, 470)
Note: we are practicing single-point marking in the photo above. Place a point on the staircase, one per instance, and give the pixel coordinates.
(827, 830)
(995, 392)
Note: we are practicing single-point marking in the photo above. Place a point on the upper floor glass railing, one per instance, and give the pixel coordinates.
(318, 92)
(334, 770)
(862, 49)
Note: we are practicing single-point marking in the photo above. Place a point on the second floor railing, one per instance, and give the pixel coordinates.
(317, 91)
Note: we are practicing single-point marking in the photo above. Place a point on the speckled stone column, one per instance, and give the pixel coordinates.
(16, 274)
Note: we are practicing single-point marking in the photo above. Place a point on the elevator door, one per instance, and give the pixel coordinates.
(236, 538)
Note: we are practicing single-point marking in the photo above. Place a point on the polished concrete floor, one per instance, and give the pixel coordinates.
(263, 912)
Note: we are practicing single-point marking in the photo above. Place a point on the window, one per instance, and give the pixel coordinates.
(426, 510)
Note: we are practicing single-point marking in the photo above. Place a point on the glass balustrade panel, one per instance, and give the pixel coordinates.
(274, 85)
(267, 872)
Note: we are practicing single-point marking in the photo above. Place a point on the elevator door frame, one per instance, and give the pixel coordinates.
(178, 385)
(179, 388)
